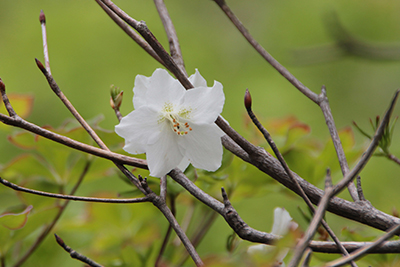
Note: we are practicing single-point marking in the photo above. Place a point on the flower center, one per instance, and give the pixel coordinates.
(179, 127)
(175, 118)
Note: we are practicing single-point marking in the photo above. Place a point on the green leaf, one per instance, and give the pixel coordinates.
(14, 221)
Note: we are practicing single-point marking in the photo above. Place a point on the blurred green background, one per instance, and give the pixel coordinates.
(88, 53)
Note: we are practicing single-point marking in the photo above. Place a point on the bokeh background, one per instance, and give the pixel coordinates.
(88, 53)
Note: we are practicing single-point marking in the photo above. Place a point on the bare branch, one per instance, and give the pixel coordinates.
(6, 101)
(174, 46)
(312, 228)
(131, 33)
(162, 206)
(326, 110)
(23, 124)
(267, 136)
(241, 228)
(363, 251)
(42, 19)
(272, 61)
(367, 155)
(74, 198)
(167, 234)
(76, 255)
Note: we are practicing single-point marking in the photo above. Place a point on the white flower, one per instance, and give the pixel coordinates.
(282, 223)
(174, 126)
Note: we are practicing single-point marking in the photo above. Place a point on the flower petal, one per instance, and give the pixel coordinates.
(163, 88)
(142, 83)
(202, 146)
(184, 164)
(282, 221)
(206, 103)
(139, 129)
(197, 80)
(164, 155)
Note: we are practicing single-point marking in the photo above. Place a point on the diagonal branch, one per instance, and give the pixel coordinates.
(76, 255)
(271, 60)
(326, 110)
(296, 83)
(366, 249)
(267, 136)
(174, 46)
(131, 33)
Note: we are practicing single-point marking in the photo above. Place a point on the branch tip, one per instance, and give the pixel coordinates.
(59, 240)
(40, 65)
(2, 86)
(247, 99)
(42, 17)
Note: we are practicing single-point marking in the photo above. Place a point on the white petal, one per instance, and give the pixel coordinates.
(140, 89)
(282, 221)
(164, 155)
(202, 146)
(184, 164)
(260, 248)
(139, 128)
(197, 80)
(206, 103)
(164, 89)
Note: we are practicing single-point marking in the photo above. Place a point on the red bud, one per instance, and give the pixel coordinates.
(42, 17)
(247, 100)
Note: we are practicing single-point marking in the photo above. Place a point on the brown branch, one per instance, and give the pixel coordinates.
(76, 255)
(295, 82)
(6, 101)
(131, 33)
(272, 61)
(167, 234)
(241, 228)
(267, 136)
(303, 244)
(374, 143)
(174, 47)
(70, 197)
(366, 249)
(326, 110)
(162, 206)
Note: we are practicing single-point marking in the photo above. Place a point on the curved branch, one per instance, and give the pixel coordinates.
(74, 198)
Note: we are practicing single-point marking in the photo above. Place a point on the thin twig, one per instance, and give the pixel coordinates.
(326, 110)
(371, 148)
(394, 159)
(267, 136)
(76, 255)
(47, 229)
(197, 237)
(364, 250)
(312, 228)
(42, 19)
(131, 33)
(335, 190)
(162, 206)
(167, 234)
(292, 79)
(174, 47)
(272, 61)
(6, 101)
(74, 198)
